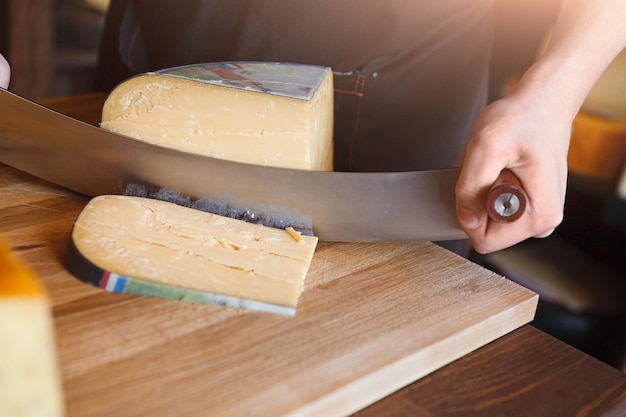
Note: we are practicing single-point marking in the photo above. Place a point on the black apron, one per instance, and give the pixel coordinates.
(410, 76)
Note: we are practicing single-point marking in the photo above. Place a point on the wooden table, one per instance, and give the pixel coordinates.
(524, 373)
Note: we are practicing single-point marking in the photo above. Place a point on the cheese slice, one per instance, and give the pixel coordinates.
(30, 383)
(179, 248)
(272, 114)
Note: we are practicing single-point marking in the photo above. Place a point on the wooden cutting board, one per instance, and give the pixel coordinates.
(373, 318)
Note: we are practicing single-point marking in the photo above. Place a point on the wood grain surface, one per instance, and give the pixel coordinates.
(372, 319)
(526, 373)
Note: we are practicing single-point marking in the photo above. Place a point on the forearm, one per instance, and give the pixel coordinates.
(528, 131)
(587, 36)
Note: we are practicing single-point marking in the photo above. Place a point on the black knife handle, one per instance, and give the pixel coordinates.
(506, 199)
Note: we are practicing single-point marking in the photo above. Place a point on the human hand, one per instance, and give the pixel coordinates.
(531, 140)
(5, 72)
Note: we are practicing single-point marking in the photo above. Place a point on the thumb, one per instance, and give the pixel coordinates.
(471, 195)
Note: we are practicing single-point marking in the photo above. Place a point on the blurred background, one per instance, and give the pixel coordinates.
(579, 271)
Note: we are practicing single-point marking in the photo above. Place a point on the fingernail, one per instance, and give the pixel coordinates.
(467, 218)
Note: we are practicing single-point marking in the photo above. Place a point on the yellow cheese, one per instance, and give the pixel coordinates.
(297, 236)
(30, 382)
(261, 113)
(164, 243)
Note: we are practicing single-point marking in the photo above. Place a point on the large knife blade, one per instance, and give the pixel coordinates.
(336, 206)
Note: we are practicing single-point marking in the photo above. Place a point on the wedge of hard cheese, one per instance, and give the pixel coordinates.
(273, 114)
(30, 383)
(150, 247)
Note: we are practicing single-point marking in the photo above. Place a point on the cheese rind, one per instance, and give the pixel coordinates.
(160, 242)
(270, 114)
(30, 383)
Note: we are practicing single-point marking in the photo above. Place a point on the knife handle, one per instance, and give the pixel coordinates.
(506, 199)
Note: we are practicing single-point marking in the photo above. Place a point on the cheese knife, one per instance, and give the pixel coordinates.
(335, 206)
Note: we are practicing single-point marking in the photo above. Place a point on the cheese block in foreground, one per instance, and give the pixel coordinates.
(150, 247)
(274, 114)
(30, 383)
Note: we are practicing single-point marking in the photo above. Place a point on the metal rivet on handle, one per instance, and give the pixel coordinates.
(506, 199)
(506, 205)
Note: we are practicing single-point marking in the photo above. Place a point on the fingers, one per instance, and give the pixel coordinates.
(480, 168)
(5, 72)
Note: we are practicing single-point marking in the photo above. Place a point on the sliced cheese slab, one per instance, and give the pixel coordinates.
(273, 114)
(30, 383)
(150, 247)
